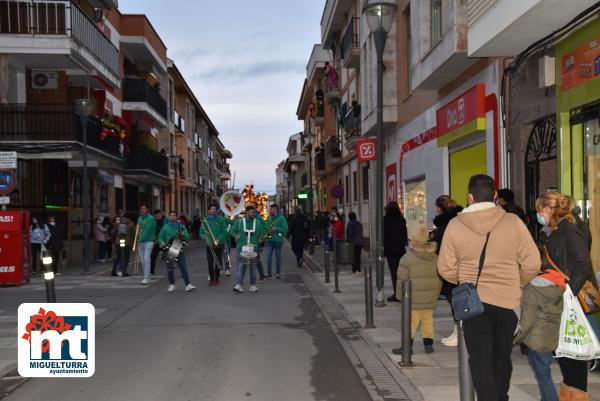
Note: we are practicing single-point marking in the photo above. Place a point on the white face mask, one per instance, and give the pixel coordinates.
(52, 223)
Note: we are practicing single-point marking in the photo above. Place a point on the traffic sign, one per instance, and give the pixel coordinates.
(4, 200)
(8, 160)
(8, 182)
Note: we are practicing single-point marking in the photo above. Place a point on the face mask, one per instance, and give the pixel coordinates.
(541, 219)
(52, 223)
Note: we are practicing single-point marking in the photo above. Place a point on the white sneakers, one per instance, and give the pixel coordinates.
(120, 274)
(145, 281)
(227, 273)
(452, 339)
(253, 288)
(190, 287)
(171, 287)
(238, 288)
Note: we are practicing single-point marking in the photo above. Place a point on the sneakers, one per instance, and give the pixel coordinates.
(120, 274)
(114, 274)
(238, 288)
(452, 339)
(278, 276)
(392, 298)
(261, 279)
(126, 274)
(227, 273)
(253, 288)
(595, 365)
(145, 281)
(171, 288)
(190, 287)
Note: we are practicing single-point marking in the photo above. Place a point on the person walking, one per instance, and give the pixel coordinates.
(123, 233)
(247, 232)
(506, 200)
(160, 222)
(354, 233)
(39, 235)
(276, 227)
(298, 230)
(485, 234)
(213, 230)
(446, 210)
(395, 239)
(419, 265)
(100, 235)
(567, 250)
(55, 243)
(175, 229)
(146, 240)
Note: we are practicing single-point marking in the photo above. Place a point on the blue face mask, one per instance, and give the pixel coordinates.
(541, 219)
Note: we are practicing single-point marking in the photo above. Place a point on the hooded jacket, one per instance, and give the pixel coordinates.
(419, 265)
(512, 258)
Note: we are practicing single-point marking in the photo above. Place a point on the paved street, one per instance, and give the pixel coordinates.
(210, 344)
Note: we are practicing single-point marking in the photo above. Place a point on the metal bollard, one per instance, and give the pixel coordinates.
(406, 324)
(467, 391)
(326, 265)
(336, 269)
(369, 296)
(49, 277)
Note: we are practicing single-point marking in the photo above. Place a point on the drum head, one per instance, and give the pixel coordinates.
(232, 203)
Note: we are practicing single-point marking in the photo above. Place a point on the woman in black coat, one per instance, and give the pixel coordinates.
(298, 230)
(567, 248)
(395, 239)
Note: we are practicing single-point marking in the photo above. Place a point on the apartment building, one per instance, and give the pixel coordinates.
(296, 171)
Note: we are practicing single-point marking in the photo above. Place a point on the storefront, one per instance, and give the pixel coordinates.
(578, 112)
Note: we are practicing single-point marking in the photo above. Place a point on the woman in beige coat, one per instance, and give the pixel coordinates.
(419, 265)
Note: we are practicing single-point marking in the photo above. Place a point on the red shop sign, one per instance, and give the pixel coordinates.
(461, 111)
(365, 149)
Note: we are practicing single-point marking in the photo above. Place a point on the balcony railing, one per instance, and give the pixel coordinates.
(144, 158)
(51, 127)
(350, 40)
(352, 122)
(31, 17)
(138, 90)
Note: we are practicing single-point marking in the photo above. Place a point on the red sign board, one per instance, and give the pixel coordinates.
(391, 183)
(580, 66)
(462, 110)
(365, 149)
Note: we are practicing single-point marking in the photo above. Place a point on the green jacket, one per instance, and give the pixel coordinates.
(238, 229)
(147, 228)
(218, 226)
(420, 267)
(279, 227)
(541, 310)
(169, 230)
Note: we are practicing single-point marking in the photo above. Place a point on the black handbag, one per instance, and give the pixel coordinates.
(465, 299)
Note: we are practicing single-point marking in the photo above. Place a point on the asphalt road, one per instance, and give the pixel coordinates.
(210, 344)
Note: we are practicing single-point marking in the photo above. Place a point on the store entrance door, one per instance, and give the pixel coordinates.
(541, 173)
(466, 162)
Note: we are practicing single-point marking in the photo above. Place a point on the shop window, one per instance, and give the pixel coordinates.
(415, 207)
(354, 187)
(77, 190)
(590, 204)
(365, 182)
(103, 199)
(436, 22)
(55, 183)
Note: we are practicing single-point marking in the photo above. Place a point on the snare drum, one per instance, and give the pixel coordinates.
(248, 255)
(175, 250)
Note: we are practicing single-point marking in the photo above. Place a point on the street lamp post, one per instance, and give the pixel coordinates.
(380, 15)
(84, 109)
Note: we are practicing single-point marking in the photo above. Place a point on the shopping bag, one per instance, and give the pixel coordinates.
(577, 340)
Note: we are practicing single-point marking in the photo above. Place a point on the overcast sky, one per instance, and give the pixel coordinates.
(246, 62)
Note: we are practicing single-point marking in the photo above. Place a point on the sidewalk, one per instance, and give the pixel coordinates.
(435, 375)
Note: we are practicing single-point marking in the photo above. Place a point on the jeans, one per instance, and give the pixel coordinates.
(102, 249)
(241, 270)
(259, 265)
(356, 258)
(55, 260)
(489, 340)
(393, 263)
(213, 268)
(274, 247)
(182, 268)
(145, 255)
(153, 257)
(226, 256)
(36, 255)
(541, 362)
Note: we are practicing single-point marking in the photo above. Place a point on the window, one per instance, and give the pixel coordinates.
(347, 188)
(354, 187)
(415, 207)
(365, 182)
(436, 22)
(103, 198)
(77, 190)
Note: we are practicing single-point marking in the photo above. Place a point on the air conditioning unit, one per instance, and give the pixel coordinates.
(546, 72)
(44, 79)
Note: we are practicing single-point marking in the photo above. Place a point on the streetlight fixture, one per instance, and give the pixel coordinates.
(380, 16)
(84, 109)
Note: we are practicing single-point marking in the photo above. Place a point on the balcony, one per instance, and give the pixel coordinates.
(506, 28)
(352, 128)
(320, 163)
(40, 129)
(351, 44)
(333, 151)
(141, 44)
(47, 34)
(316, 65)
(332, 21)
(332, 84)
(138, 95)
(145, 162)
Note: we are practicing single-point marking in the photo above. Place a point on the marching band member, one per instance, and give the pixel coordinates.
(247, 231)
(146, 238)
(174, 229)
(214, 231)
(277, 227)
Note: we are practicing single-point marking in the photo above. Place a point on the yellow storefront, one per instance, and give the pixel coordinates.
(578, 111)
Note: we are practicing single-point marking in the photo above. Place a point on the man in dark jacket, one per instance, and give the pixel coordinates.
(298, 230)
(354, 233)
(55, 243)
(395, 238)
(506, 200)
